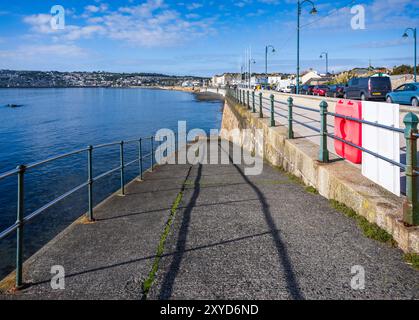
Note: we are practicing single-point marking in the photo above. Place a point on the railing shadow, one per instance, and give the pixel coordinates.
(169, 279)
(284, 259)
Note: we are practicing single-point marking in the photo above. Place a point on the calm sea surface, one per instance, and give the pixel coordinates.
(55, 121)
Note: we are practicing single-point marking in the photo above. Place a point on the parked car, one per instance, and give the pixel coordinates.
(370, 88)
(405, 94)
(320, 90)
(306, 89)
(336, 91)
(288, 89)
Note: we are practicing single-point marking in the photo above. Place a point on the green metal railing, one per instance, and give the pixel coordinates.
(21, 170)
(410, 132)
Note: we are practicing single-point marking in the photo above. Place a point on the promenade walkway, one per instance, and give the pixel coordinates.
(233, 237)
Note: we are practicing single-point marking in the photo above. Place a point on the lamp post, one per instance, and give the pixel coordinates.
(327, 61)
(312, 11)
(251, 61)
(242, 69)
(405, 35)
(266, 59)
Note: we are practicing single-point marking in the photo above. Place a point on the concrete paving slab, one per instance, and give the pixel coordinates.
(271, 241)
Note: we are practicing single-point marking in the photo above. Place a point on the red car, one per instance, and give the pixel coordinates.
(320, 90)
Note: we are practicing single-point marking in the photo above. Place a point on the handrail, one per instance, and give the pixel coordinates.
(374, 124)
(20, 171)
(411, 135)
(8, 173)
(65, 155)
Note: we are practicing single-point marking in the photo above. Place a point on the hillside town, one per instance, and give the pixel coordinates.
(284, 82)
(54, 79)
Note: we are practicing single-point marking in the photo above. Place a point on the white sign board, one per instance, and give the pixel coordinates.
(383, 142)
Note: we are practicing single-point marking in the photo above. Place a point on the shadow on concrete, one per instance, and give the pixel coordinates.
(168, 209)
(169, 279)
(211, 245)
(284, 259)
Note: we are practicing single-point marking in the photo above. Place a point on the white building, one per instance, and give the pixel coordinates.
(218, 81)
(274, 80)
(309, 76)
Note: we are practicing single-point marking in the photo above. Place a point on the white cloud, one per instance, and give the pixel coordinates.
(95, 9)
(43, 51)
(149, 24)
(194, 6)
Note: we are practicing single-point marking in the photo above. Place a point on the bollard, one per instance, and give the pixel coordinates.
(260, 105)
(290, 129)
(140, 157)
(90, 182)
(410, 207)
(272, 110)
(20, 222)
(253, 103)
(121, 147)
(324, 153)
(248, 99)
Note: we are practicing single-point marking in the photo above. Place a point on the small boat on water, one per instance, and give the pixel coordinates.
(13, 105)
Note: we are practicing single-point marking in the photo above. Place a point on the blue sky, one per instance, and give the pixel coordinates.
(201, 37)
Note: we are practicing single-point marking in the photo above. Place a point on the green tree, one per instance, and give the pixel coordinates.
(402, 69)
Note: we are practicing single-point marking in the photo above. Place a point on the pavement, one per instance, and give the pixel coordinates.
(233, 237)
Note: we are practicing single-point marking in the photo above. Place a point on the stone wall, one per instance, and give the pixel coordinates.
(337, 180)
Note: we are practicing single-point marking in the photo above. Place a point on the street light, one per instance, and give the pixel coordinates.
(312, 11)
(266, 59)
(250, 70)
(327, 61)
(405, 35)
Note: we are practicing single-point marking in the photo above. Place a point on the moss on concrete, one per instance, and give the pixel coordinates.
(311, 189)
(412, 259)
(160, 248)
(370, 230)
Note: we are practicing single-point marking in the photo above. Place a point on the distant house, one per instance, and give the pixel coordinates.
(274, 79)
(187, 84)
(309, 77)
(359, 72)
(225, 79)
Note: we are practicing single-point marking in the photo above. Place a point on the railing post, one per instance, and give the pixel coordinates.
(90, 182)
(248, 99)
(253, 102)
(140, 157)
(290, 119)
(152, 154)
(20, 222)
(324, 152)
(240, 96)
(411, 208)
(122, 168)
(272, 110)
(260, 105)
